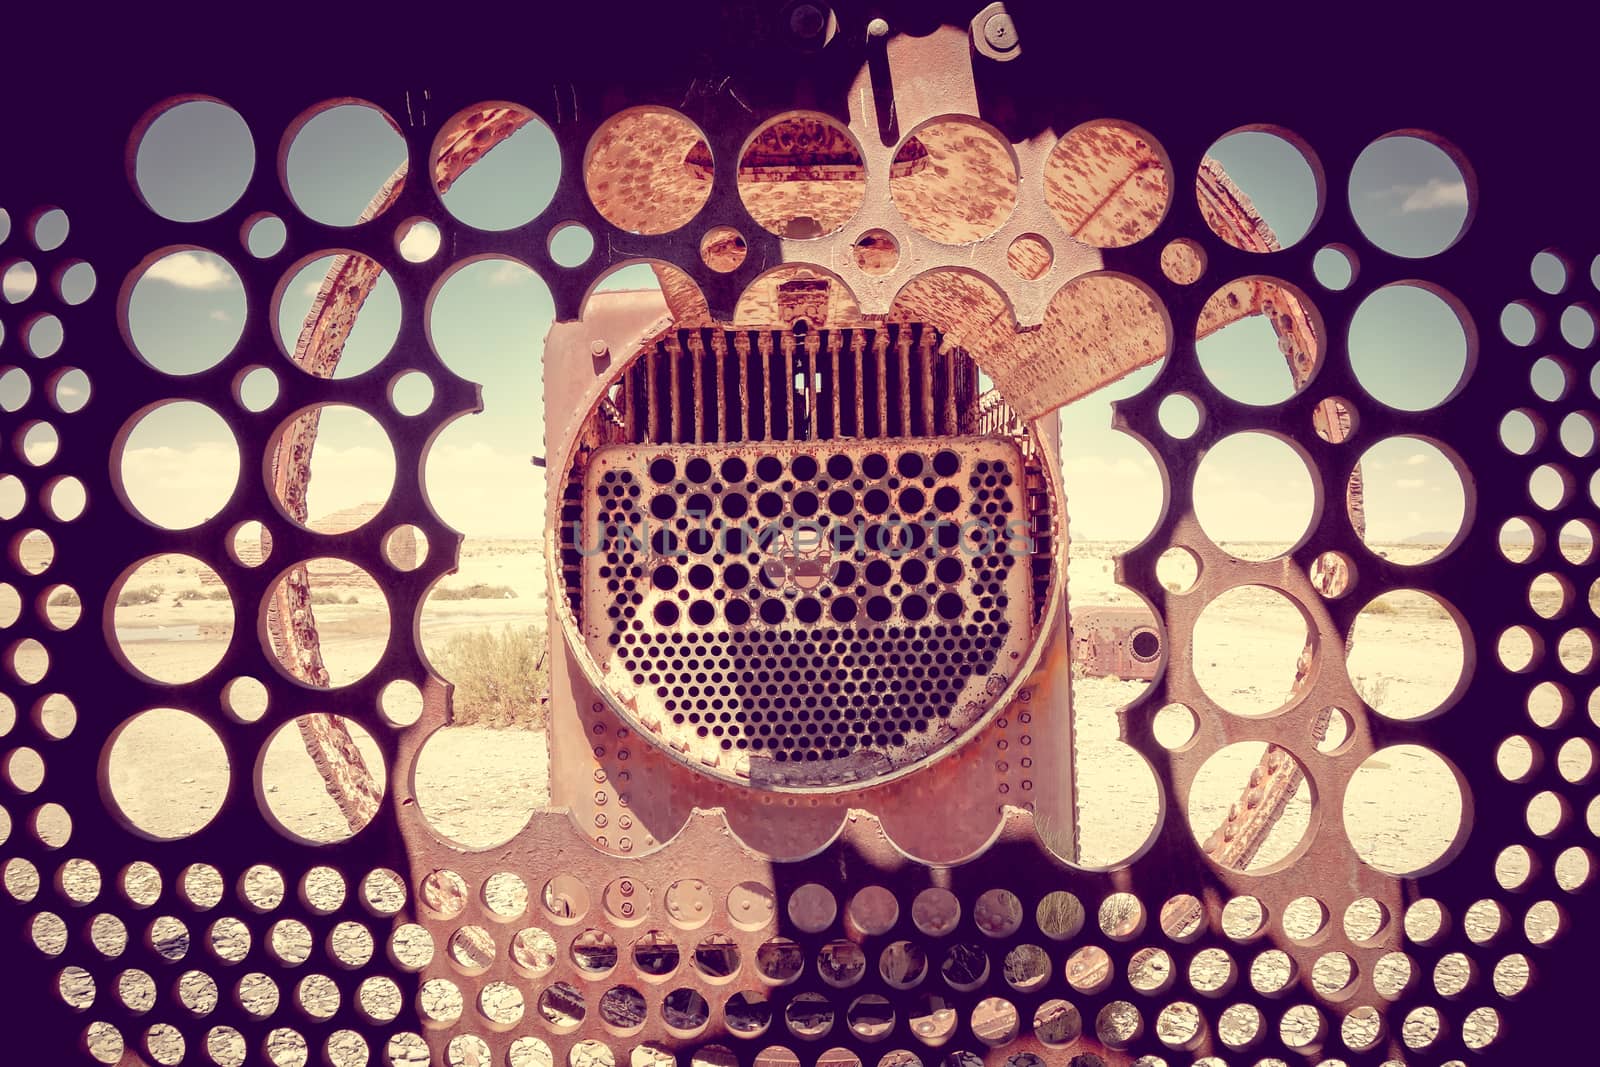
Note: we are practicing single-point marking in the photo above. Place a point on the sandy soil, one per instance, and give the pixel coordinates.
(167, 775)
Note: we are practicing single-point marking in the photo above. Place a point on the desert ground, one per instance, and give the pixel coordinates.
(479, 784)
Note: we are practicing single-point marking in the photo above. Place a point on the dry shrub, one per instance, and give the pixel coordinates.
(501, 679)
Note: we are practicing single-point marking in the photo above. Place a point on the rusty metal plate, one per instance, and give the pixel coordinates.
(795, 615)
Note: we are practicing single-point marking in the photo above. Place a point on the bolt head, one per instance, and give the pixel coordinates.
(806, 21)
(1000, 32)
(878, 28)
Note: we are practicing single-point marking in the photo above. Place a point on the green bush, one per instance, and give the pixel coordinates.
(475, 591)
(144, 594)
(328, 596)
(65, 598)
(185, 595)
(501, 679)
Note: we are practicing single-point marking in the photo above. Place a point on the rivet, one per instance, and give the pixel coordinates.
(600, 797)
(626, 844)
(600, 820)
(599, 751)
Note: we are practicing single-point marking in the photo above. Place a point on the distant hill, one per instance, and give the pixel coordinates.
(1430, 537)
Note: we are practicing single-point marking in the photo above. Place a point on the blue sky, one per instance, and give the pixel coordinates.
(489, 320)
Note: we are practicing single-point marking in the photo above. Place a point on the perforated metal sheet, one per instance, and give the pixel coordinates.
(797, 615)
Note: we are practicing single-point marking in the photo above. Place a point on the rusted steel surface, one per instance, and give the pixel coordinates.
(735, 916)
(1110, 642)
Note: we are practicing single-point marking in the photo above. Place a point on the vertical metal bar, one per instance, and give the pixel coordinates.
(903, 346)
(719, 349)
(833, 382)
(650, 415)
(880, 359)
(674, 357)
(948, 356)
(697, 409)
(812, 348)
(786, 347)
(858, 342)
(764, 346)
(925, 364)
(741, 349)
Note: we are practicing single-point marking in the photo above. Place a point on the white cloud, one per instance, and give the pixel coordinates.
(218, 315)
(485, 492)
(193, 270)
(40, 450)
(420, 243)
(509, 273)
(1432, 195)
(19, 281)
(312, 287)
(1416, 459)
(1411, 483)
(180, 487)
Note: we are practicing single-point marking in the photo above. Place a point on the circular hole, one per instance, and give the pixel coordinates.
(496, 166)
(1258, 190)
(172, 618)
(648, 170)
(39, 443)
(1248, 643)
(1254, 496)
(876, 252)
(178, 465)
(1108, 184)
(1520, 323)
(249, 543)
(1550, 378)
(417, 240)
(348, 611)
(185, 311)
(18, 281)
(723, 249)
(1578, 433)
(75, 283)
(1183, 261)
(65, 498)
(1334, 267)
(566, 899)
(34, 551)
(1029, 256)
(571, 244)
(1179, 416)
(1259, 341)
(193, 160)
(812, 908)
(1178, 569)
(1551, 487)
(1578, 326)
(56, 716)
(70, 390)
(343, 295)
(1222, 780)
(1110, 834)
(472, 784)
(954, 181)
(350, 469)
(802, 176)
(42, 336)
(292, 791)
(339, 163)
(1406, 810)
(1408, 318)
(1434, 656)
(1549, 272)
(1174, 726)
(411, 394)
(245, 698)
(1521, 431)
(166, 773)
(265, 235)
(1413, 502)
(50, 230)
(257, 389)
(997, 913)
(15, 386)
(405, 548)
(1409, 195)
(62, 606)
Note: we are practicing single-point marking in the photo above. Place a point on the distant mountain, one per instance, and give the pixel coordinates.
(1430, 537)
